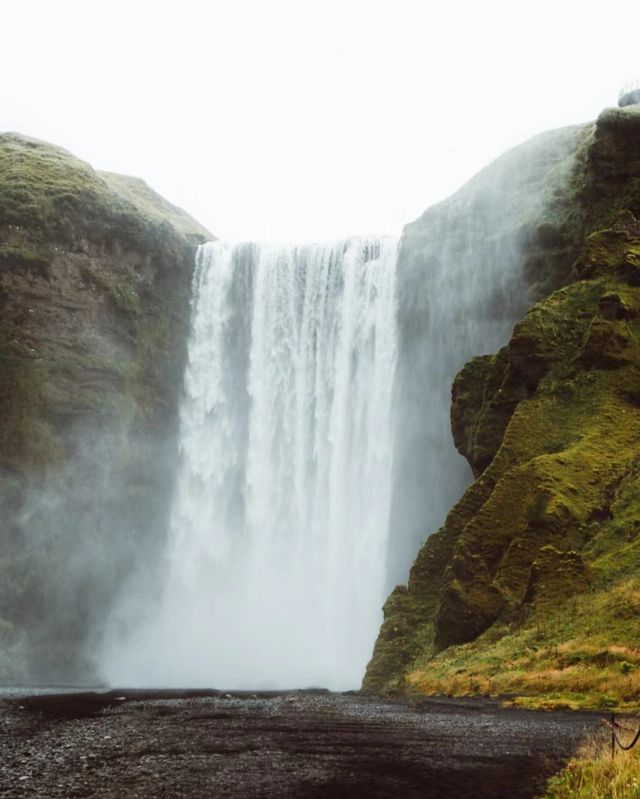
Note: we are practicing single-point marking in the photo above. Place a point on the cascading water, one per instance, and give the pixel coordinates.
(276, 560)
(315, 438)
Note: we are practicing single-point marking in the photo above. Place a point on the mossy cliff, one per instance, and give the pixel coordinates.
(94, 311)
(467, 269)
(530, 587)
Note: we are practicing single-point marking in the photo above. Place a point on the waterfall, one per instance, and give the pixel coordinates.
(276, 560)
(316, 451)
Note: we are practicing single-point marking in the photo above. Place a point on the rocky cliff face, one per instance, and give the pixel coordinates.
(466, 271)
(528, 586)
(94, 297)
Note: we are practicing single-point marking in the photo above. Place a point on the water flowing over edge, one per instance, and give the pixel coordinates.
(276, 564)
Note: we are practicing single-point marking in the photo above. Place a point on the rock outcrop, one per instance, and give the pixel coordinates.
(94, 298)
(544, 541)
(466, 270)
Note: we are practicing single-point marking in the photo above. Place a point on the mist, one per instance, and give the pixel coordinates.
(76, 536)
(316, 451)
(275, 565)
(251, 541)
(255, 541)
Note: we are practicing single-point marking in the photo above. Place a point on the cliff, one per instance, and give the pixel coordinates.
(467, 269)
(529, 588)
(94, 298)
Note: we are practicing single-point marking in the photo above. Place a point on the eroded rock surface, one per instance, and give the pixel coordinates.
(95, 273)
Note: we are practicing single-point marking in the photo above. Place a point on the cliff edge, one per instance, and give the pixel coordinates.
(95, 273)
(530, 587)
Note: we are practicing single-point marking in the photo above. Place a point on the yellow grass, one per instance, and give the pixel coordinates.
(594, 774)
(583, 655)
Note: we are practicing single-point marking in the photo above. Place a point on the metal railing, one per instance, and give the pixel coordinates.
(615, 741)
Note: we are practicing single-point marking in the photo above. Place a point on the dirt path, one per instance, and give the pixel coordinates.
(307, 744)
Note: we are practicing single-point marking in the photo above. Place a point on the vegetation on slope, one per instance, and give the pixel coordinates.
(594, 773)
(95, 273)
(535, 592)
(82, 253)
(529, 588)
(48, 196)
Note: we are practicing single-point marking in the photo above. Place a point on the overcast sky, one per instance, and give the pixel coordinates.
(300, 120)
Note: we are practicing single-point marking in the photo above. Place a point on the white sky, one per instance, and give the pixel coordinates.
(300, 120)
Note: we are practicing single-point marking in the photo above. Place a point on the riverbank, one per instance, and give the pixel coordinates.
(296, 744)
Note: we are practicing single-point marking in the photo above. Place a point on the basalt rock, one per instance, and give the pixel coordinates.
(95, 272)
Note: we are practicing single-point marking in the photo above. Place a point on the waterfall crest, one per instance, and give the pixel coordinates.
(276, 559)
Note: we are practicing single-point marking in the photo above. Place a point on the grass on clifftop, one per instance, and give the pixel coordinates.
(48, 195)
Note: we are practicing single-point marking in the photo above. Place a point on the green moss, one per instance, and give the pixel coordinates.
(55, 208)
(149, 205)
(42, 188)
(47, 195)
(123, 297)
(23, 255)
(604, 182)
(153, 351)
(95, 276)
(535, 590)
(478, 427)
(25, 435)
(572, 652)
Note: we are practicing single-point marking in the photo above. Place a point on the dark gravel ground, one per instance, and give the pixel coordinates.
(300, 744)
